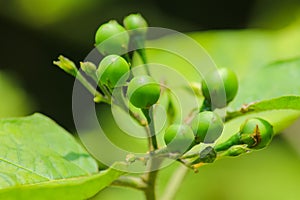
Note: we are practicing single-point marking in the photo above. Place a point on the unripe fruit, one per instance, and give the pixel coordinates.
(112, 38)
(215, 83)
(256, 132)
(111, 69)
(178, 138)
(143, 91)
(207, 127)
(136, 23)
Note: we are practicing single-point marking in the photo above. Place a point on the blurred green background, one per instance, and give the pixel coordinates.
(34, 32)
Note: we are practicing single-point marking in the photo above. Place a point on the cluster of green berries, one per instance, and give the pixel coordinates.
(207, 126)
(254, 134)
(219, 87)
(112, 40)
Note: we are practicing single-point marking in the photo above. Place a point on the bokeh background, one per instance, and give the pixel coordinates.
(34, 32)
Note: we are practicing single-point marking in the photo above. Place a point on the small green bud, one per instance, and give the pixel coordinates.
(66, 65)
(89, 68)
(214, 84)
(178, 138)
(143, 91)
(207, 155)
(111, 69)
(136, 23)
(257, 133)
(207, 127)
(112, 38)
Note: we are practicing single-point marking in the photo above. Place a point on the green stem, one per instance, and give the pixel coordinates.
(174, 183)
(233, 140)
(148, 112)
(105, 91)
(154, 163)
(131, 182)
(98, 96)
(150, 178)
(206, 106)
(143, 56)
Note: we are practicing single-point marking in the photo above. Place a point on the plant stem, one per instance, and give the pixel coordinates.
(153, 163)
(143, 56)
(91, 89)
(174, 183)
(131, 182)
(205, 106)
(148, 112)
(150, 178)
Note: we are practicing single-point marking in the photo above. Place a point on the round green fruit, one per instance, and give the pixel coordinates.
(207, 127)
(178, 138)
(219, 87)
(111, 69)
(143, 91)
(136, 23)
(257, 133)
(112, 38)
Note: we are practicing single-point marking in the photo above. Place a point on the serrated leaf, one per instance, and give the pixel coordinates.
(40, 160)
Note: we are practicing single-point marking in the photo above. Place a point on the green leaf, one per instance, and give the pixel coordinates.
(274, 94)
(249, 50)
(40, 160)
(285, 102)
(272, 81)
(77, 188)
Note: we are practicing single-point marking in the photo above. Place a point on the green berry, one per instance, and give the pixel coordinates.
(136, 23)
(257, 133)
(178, 138)
(207, 127)
(143, 91)
(215, 83)
(112, 38)
(111, 69)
